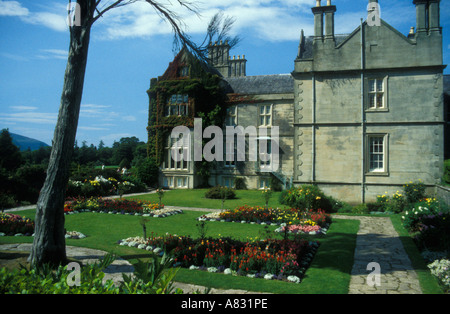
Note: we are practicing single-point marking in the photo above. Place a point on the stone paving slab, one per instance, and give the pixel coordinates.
(378, 242)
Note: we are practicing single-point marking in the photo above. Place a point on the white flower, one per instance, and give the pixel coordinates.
(268, 276)
(212, 269)
(293, 279)
(227, 271)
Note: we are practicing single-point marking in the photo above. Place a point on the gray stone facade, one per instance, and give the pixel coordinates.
(369, 106)
(360, 115)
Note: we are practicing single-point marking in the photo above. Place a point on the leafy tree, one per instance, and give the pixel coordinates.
(49, 242)
(10, 156)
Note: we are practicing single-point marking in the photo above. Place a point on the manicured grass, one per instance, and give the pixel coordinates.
(329, 271)
(196, 198)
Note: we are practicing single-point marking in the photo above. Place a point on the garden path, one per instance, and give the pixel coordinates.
(378, 242)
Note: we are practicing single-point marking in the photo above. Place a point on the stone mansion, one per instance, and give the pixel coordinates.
(361, 114)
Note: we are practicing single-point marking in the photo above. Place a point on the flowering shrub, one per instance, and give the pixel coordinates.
(414, 191)
(306, 197)
(429, 224)
(11, 224)
(441, 269)
(100, 186)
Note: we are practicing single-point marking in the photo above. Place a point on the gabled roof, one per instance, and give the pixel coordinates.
(261, 84)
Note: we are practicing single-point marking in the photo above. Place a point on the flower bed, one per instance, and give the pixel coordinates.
(117, 206)
(298, 221)
(11, 224)
(269, 259)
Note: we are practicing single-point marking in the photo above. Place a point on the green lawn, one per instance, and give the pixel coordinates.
(329, 272)
(196, 198)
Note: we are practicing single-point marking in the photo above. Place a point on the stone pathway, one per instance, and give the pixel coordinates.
(378, 242)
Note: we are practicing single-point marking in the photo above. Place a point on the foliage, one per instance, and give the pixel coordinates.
(306, 197)
(446, 176)
(441, 269)
(429, 222)
(101, 186)
(220, 192)
(154, 277)
(11, 224)
(414, 191)
(10, 157)
(147, 171)
(240, 183)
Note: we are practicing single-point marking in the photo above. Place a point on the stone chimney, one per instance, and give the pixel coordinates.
(427, 17)
(329, 20)
(318, 21)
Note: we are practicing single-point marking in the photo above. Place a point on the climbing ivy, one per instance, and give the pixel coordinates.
(206, 101)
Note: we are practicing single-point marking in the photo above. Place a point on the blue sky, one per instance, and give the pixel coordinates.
(130, 45)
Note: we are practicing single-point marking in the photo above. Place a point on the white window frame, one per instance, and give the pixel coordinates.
(175, 104)
(373, 150)
(263, 114)
(376, 93)
(169, 163)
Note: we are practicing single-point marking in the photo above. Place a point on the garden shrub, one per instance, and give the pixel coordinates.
(153, 278)
(429, 223)
(441, 269)
(414, 191)
(240, 183)
(306, 197)
(446, 176)
(220, 192)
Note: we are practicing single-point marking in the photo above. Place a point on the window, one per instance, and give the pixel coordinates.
(177, 105)
(377, 153)
(228, 182)
(265, 155)
(182, 182)
(230, 153)
(175, 182)
(184, 71)
(264, 183)
(231, 118)
(376, 92)
(265, 115)
(169, 162)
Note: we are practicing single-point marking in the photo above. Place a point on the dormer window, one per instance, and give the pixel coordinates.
(184, 71)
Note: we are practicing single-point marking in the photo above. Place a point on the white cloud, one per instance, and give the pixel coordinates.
(29, 117)
(20, 108)
(56, 22)
(54, 18)
(12, 8)
(270, 20)
(53, 54)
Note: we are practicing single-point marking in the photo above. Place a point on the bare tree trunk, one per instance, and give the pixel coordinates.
(49, 244)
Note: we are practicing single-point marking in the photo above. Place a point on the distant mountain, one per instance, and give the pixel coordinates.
(24, 142)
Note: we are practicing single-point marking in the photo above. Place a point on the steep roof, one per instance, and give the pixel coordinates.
(260, 84)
